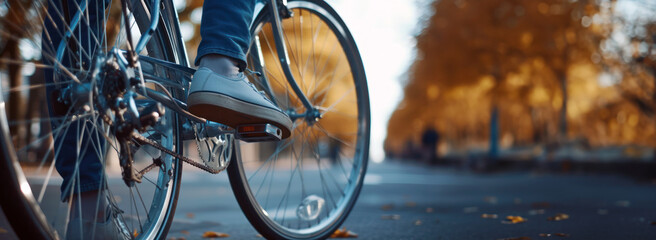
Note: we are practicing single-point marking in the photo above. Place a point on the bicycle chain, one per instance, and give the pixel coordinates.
(200, 153)
(144, 140)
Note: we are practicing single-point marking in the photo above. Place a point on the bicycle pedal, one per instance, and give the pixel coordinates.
(258, 133)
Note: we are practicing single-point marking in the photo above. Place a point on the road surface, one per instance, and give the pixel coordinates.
(404, 201)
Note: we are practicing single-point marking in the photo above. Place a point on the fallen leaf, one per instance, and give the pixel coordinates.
(536, 212)
(491, 200)
(387, 207)
(493, 216)
(623, 203)
(211, 234)
(558, 217)
(470, 209)
(2, 230)
(514, 220)
(429, 210)
(343, 233)
(561, 234)
(516, 238)
(185, 232)
(391, 217)
(410, 204)
(190, 215)
(135, 233)
(602, 211)
(418, 222)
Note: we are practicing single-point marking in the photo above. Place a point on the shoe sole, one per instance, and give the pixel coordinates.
(234, 112)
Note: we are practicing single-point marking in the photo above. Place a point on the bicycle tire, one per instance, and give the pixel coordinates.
(27, 214)
(244, 171)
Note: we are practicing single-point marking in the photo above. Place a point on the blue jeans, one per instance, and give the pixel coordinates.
(224, 30)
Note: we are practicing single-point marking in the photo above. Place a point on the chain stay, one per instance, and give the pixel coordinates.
(143, 140)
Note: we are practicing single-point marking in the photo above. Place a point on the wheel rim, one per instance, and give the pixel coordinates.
(323, 162)
(35, 144)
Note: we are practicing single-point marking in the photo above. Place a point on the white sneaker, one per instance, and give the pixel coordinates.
(233, 101)
(79, 228)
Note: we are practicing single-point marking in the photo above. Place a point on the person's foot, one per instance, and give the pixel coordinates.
(220, 93)
(84, 228)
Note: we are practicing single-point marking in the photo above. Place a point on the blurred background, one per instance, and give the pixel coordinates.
(483, 82)
(500, 98)
(524, 80)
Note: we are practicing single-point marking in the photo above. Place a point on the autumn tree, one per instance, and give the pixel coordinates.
(491, 57)
(629, 55)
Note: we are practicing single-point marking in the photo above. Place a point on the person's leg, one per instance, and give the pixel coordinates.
(219, 91)
(224, 30)
(69, 155)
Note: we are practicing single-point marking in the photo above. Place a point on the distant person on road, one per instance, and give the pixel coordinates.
(429, 140)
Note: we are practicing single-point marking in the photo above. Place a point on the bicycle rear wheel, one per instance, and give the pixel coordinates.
(305, 186)
(31, 148)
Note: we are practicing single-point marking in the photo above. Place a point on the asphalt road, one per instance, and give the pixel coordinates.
(403, 201)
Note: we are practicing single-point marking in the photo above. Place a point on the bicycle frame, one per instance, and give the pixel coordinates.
(183, 70)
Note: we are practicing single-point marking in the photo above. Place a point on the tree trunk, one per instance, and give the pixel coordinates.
(494, 134)
(563, 108)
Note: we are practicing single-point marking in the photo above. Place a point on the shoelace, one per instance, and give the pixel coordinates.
(262, 93)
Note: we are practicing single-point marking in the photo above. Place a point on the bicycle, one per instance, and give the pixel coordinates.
(131, 94)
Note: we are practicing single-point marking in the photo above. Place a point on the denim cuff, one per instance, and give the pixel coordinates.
(239, 56)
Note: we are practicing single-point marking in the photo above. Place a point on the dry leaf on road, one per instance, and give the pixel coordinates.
(343, 233)
(387, 207)
(514, 220)
(558, 217)
(211, 234)
(493, 216)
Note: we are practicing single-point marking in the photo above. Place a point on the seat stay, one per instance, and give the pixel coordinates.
(283, 56)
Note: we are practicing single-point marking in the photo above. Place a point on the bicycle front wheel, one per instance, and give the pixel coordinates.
(305, 186)
(52, 155)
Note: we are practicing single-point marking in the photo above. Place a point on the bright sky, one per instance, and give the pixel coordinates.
(384, 32)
